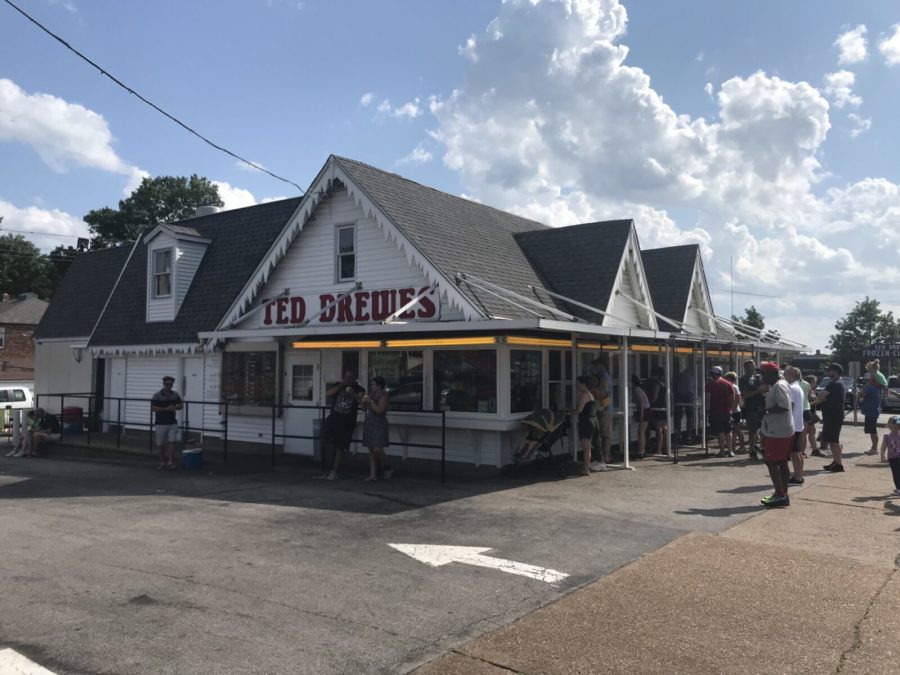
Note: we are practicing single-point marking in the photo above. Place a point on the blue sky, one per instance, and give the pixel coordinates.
(749, 128)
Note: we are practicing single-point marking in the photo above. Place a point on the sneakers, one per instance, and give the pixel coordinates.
(388, 472)
(835, 468)
(11, 453)
(598, 466)
(730, 453)
(774, 501)
(796, 481)
(817, 453)
(721, 453)
(897, 492)
(872, 451)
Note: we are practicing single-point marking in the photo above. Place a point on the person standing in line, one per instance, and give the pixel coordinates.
(811, 439)
(603, 400)
(877, 377)
(870, 405)
(807, 412)
(642, 413)
(657, 396)
(737, 437)
(794, 377)
(720, 404)
(586, 420)
(754, 404)
(890, 450)
(830, 402)
(375, 431)
(337, 430)
(776, 433)
(685, 393)
(164, 404)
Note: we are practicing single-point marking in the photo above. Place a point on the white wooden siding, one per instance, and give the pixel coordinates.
(188, 256)
(144, 378)
(309, 265)
(160, 309)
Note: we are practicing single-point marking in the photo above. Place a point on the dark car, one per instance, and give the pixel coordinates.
(849, 389)
(891, 400)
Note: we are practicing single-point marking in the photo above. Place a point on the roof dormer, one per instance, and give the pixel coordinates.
(174, 253)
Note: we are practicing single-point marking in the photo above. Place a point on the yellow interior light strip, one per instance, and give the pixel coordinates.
(444, 342)
(336, 344)
(537, 342)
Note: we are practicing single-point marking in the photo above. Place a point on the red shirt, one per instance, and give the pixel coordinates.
(721, 396)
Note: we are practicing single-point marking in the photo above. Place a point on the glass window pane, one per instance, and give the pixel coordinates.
(345, 240)
(302, 382)
(163, 285)
(347, 266)
(525, 380)
(249, 378)
(402, 371)
(466, 380)
(18, 395)
(163, 261)
(555, 365)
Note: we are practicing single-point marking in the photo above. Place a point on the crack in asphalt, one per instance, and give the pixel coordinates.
(857, 627)
(255, 598)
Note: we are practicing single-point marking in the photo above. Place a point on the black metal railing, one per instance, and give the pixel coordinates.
(93, 420)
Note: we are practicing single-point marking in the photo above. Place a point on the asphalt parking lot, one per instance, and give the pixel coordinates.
(113, 567)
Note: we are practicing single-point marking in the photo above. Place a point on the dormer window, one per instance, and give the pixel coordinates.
(345, 252)
(162, 273)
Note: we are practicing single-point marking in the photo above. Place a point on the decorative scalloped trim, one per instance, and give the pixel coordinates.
(154, 350)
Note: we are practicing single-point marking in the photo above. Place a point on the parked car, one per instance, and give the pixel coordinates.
(13, 398)
(891, 400)
(850, 389)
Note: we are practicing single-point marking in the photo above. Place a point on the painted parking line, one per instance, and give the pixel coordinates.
(13, 663)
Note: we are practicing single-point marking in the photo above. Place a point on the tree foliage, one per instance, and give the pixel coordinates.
(23, 269)
(860, 327)
(163, 199)
(752, 317)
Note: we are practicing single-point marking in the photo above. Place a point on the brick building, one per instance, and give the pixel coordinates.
(18, 318)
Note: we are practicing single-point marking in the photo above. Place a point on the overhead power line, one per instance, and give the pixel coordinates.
(43, 234)
(124, 86)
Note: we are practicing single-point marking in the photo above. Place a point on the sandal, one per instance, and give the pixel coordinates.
(160, 467)
(170, 467)
(370, 479)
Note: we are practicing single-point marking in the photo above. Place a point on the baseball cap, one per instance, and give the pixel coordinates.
(768, 366)
(168, 378)
(716, 369)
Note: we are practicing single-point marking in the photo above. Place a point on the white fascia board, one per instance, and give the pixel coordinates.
(700, 273)
(104, 351)
(363, 331)
(610, 331)
(640, 284)
(328, 174)
(75, 339)
(163, 228)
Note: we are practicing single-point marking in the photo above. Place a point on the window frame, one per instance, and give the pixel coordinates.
(156, 275)
(261, 407)
(338, 255)
(2, 337)
(436, 403)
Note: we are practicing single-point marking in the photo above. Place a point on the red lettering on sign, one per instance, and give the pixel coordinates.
(298, 309)
(345, 311)
(362, 310)
(325, 300)
(267, 312)
(381, 305)
(407, 294)
(281, 314)
(427, 308)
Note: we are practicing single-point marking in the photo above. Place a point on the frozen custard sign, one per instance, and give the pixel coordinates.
(354, 308)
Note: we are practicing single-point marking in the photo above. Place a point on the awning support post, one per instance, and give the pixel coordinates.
(669, 418)
(626, 405)
(702, 420)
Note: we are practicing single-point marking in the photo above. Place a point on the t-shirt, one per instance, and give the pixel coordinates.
(642, 401)
(721, 396)
(797, 406)
(778, 424)
(833, 406)
(162, 398)
(604, 404)
(880, 379)
(804, 385)
(49, 424)
(737, 398)
(870, 405)
(684, 385)
(345, 404)
(892, 443)
(747, 384)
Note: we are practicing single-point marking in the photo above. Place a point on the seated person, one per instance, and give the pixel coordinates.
(44, 427)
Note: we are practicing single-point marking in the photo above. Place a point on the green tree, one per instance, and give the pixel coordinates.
(863, 325)
(751, 317)
(163, 199)
(23, 269)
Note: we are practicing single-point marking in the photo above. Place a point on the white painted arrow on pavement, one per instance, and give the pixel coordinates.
(435, 556)
(12, 661)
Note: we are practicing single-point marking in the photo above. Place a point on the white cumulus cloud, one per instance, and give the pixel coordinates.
(839, 89)
(550, 121)
(860, 124)
(852, 45)
(366, 99)
(418, 155)
(42, 227)
(890, 46)
(64, 134)
(234, 197)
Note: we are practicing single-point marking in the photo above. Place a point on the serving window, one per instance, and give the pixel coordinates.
(403, 374)
(250, 378)
(525, 380)
(466, 380)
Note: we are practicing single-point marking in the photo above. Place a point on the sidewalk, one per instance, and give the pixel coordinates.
(813, 588)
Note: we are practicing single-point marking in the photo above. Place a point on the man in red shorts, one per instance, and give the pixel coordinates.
(777, 432)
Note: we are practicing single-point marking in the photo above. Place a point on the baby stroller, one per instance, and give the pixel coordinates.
(545, 429)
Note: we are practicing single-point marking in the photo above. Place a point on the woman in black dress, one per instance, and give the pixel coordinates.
(375, 431)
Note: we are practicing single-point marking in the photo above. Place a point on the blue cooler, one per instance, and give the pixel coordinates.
(192, 459)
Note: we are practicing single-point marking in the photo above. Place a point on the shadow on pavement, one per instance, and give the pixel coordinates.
(721, 512)
(745, 489)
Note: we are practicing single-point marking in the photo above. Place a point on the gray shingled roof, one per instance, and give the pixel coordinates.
(581, 260)
(81, 294)
(455, 234)
(670, 271)
(239, 240)
(26, 309)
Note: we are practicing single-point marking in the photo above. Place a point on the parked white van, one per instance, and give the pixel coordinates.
(15, 397)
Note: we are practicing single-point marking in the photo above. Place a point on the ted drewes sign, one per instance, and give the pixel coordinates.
(882, 350)
(355, 307)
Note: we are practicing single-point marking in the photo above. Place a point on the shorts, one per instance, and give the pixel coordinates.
(586, 429)
(720, 423)
(831, 430)
(871, 424)
(807, 417)
(644, 416)
(338, 431)
(753, 419)
(777, 449)
(165, 433)
(604, 424)
(45, 436)
(735, 418)
(795, 442)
